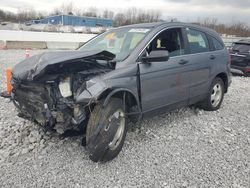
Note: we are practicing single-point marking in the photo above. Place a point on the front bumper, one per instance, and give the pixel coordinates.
(33, 102)
(45, 106)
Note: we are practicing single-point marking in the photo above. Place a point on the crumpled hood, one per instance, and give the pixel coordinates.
(33, 66)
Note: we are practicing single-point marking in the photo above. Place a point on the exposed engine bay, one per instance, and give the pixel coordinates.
(48, 97)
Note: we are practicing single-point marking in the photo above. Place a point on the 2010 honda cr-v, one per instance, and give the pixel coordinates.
(125, 73)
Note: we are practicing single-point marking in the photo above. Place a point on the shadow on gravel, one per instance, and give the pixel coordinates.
(139, 128)
(239, 75)
(167, 120)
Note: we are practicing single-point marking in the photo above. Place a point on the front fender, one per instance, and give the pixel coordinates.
(99, 91)
(115, 91)
(122, 79)
(91, 93)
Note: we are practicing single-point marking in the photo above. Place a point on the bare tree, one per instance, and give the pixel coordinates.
(119, 19)
(91, 12)
(238, 29)
(108, 14)
(67, 8)
(7, 16)
(26, 14)
(134, 15)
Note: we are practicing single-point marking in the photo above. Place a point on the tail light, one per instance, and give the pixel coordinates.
(247, 69)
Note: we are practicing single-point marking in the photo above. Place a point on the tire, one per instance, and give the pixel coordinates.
(215, 97)
(106, 131)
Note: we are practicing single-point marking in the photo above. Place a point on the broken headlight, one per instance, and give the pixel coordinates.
(65, 87)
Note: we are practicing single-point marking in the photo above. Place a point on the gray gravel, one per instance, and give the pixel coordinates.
(185, 148)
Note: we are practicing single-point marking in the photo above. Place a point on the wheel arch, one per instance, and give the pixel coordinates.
(129, 98)
(224, 78)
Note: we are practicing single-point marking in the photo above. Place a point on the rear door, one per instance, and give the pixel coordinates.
(200, 60)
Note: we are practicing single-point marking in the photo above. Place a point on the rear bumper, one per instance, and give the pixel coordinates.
(239, 68)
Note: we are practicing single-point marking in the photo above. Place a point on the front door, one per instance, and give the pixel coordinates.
(165, 83)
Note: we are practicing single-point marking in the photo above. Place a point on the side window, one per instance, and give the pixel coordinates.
(197, 41)
(170, 40)
(215, 44)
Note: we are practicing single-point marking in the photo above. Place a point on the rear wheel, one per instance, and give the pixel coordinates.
(106, 131)
(215, 97)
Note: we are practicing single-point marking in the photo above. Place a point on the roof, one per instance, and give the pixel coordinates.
(169, 24)
(146, 25)
(157, 24)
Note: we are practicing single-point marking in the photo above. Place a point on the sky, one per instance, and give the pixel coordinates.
(226, 11)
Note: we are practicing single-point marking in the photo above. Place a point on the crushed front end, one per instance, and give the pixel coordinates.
(45, 104)
(49, 99)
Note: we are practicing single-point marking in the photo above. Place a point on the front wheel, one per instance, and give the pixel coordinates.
(215, 97)
(106, 131)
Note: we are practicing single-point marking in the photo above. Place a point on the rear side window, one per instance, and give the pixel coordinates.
(215, 44)
(197, 41)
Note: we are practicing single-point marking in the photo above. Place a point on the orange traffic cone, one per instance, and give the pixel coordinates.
(8, 78)
(27, 53)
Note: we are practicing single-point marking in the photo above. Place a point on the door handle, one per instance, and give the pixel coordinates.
(212, 57)
(183, 62)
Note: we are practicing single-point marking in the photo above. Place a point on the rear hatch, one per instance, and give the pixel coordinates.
(240, 54)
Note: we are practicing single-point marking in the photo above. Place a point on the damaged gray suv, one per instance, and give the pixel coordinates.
(123, 74)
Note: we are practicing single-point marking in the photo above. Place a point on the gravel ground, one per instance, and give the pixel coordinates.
(185, 148)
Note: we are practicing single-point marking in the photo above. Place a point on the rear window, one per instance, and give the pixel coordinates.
(197, 40)
(242, 48)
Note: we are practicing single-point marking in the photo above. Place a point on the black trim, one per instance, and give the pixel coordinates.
(164, 109)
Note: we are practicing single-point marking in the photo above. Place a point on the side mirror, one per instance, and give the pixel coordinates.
(156, 56)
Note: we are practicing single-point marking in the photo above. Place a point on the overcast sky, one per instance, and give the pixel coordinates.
(184, 10)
